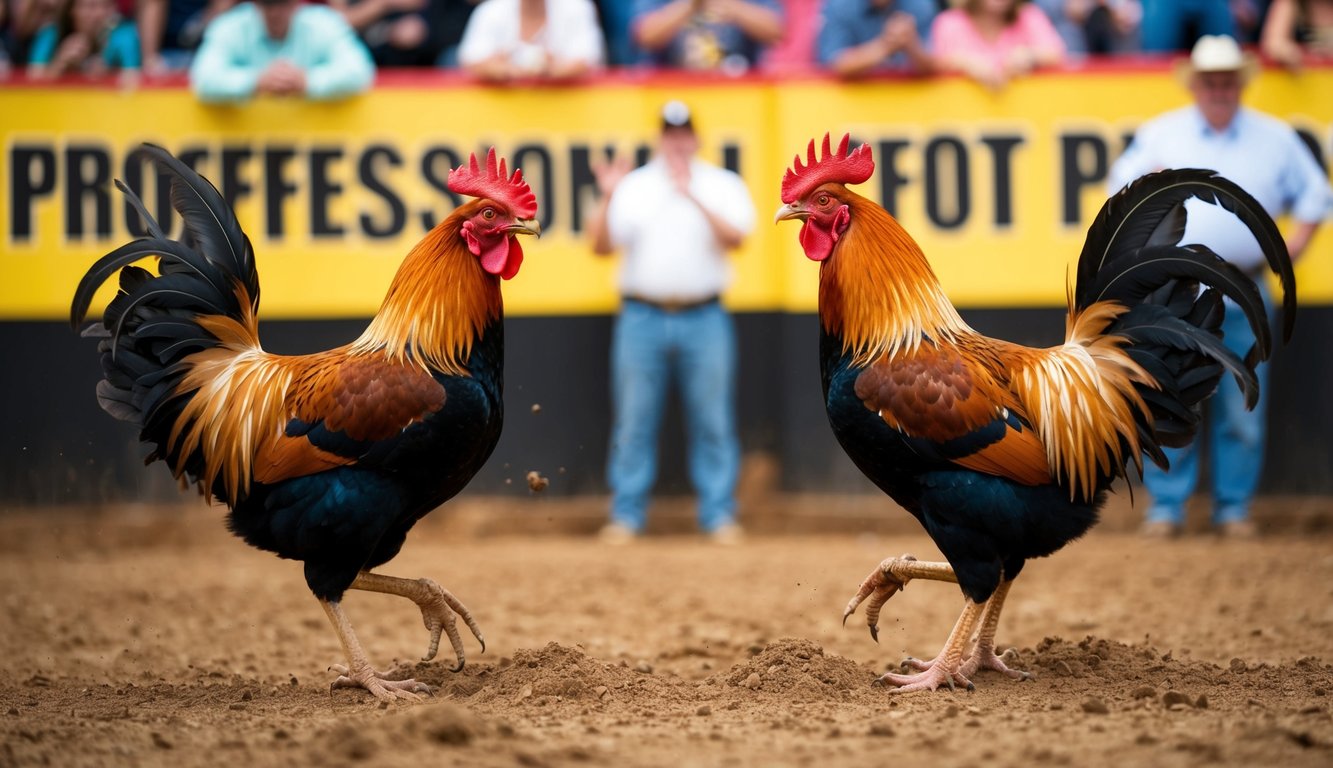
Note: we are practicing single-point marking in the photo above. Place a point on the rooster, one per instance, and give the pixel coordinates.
(1004, 452)
(328, 458)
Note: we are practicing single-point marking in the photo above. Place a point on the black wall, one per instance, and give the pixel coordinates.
(58, 447)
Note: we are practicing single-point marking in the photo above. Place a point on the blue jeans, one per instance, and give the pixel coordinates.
(697, 349)
(1165, 22)
(1236, 443)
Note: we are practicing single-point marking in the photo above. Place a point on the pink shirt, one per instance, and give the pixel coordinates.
(953, 34)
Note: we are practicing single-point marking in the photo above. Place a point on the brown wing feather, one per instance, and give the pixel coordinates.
(286, 457)
(929, 392)
(942, 393)
(1019, 456)
(366, 398)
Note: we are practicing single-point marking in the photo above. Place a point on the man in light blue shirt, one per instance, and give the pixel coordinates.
(1267, 159)
(280, 48)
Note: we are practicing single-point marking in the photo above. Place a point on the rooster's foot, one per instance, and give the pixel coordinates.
(438, 607)
(930, 678)
(379, 686)
(917, 664)
(887, 579)
(879, 586)
(985, 658)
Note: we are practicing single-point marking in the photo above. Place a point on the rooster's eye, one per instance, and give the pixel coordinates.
(488, 214)
(821, 201)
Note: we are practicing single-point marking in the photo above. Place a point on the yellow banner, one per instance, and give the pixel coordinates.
(998, 188)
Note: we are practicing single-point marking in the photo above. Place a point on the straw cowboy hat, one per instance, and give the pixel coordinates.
(1217, 53)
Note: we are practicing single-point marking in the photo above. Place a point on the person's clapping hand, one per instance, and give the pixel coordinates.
(282, 78)
(609, 171)
(899, 31)
(70, 54)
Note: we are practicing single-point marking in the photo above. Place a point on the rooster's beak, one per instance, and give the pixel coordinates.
(525, 227)
(791, 211)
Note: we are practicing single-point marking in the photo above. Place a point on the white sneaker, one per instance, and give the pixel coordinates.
(727, 534)
(616, 534)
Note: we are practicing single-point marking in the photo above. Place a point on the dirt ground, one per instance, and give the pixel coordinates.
(134, 638)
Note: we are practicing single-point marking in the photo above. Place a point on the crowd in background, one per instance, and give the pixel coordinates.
(499, 41)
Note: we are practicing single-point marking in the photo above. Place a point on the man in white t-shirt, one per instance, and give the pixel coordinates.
(675, 219)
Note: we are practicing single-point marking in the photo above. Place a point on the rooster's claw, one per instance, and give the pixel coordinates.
(879, 586)
(437, 613)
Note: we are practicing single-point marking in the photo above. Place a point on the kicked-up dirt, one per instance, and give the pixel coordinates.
(137, 638)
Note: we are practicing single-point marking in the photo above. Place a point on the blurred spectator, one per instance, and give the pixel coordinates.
(726, 35)
(1096, 27)
(550, 39)
(171, 30)
(89, 37)
(675, 219)
(1249, 16)
(620, 48)
(1174, 25)
(25, 18)
(994, 41)
(861, 36)
(796, 49)
(4, 39)
(1297, 29)
(409, 33)
(1268, 159)
(280, 48)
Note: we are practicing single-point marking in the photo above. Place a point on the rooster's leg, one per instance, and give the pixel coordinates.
(358, 673)
(983, 655)
(885, 581)
(437, 605)
(946, 669)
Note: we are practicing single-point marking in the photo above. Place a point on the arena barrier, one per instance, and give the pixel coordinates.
(997, 187)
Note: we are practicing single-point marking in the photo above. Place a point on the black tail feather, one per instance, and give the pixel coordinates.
(1173, 293)
(154, 229)
(209, 222)
(152, 324)
(1151, 212)
(1130, 278)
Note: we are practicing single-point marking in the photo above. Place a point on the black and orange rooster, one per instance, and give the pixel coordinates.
(1005, 452)
(327, 458)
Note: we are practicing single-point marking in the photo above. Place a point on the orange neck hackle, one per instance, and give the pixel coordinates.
(878, 292)
(438, 304)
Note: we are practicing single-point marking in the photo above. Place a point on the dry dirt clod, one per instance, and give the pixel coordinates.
(753, 681)
(704, 710)
(1176, 700)
(1144, 692)
(537, 482)
(1095, 706)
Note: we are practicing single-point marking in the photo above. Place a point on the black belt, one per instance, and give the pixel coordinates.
(673, 306)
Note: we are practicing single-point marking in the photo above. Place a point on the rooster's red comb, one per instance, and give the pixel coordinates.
(495, 184)
(832, 166)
